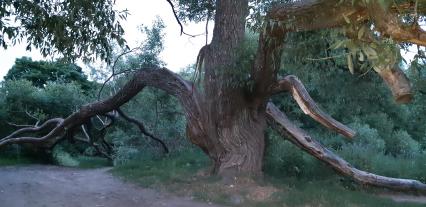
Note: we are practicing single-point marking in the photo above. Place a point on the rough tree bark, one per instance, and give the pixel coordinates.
(234, 124)
(228, 122)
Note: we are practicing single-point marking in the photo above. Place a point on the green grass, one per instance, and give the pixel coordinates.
(81, 161)
(177, 173)
(333, 192)
(170, 169)
(7, 161)
(92, 162)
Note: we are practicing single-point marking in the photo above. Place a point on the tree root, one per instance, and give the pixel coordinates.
(303, 140)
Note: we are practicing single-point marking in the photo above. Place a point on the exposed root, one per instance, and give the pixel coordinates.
(304, 141)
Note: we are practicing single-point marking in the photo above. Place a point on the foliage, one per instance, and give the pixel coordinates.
(42, 72)
(191, 10)
(389, 139)
(73, 28)
(63, 158)
(22, 102)
(148, 53)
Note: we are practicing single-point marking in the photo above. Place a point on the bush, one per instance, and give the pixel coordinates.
(401, 143)
(63, 158)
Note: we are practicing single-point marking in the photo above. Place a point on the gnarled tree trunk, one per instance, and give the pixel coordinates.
(233, 123)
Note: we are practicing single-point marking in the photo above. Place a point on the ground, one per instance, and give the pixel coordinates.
(52, 186)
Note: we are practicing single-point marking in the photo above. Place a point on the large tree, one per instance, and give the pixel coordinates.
(228, 113)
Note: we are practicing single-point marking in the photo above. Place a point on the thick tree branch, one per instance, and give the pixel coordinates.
(302, 139)
(160, 78)
(398, 83)
(307, 104)
(389, 24)
(316, 14)
(142, 129)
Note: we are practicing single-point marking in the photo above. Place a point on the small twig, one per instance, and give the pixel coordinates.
(19, 125)
(365, 73)
(109, 78)
(179, 22)
(142, 129)
(31, 116)
(326, 58)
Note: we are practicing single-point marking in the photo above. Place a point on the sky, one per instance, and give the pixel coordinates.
(179, 52)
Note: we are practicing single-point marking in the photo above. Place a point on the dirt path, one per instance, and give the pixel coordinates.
(51, 186)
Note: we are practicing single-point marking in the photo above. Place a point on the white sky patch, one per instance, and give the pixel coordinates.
(179, 52)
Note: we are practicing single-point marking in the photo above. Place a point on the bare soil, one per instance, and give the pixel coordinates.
(52, 186)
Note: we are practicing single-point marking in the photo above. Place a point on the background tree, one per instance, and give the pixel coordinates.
(41, 72)
(228, 120)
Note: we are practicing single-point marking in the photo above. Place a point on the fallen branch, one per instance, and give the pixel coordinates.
(303, 140)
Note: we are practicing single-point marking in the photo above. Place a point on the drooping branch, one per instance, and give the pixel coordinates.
(160, 78)
(293, 85)
(142, 129)
(304, 141)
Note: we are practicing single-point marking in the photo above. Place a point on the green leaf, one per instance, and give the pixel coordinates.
(361, 32)
(350, 63)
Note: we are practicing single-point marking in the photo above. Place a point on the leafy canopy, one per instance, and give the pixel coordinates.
(39, 73)
(72, 28)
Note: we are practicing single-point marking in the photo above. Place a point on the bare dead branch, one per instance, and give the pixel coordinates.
(89, 140)
(307, 104)
(113, 74)
(19, 125)
(13, 139)
(304, 141)
(142, 129)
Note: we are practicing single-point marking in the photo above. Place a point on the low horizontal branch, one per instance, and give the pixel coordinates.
(303, 140)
